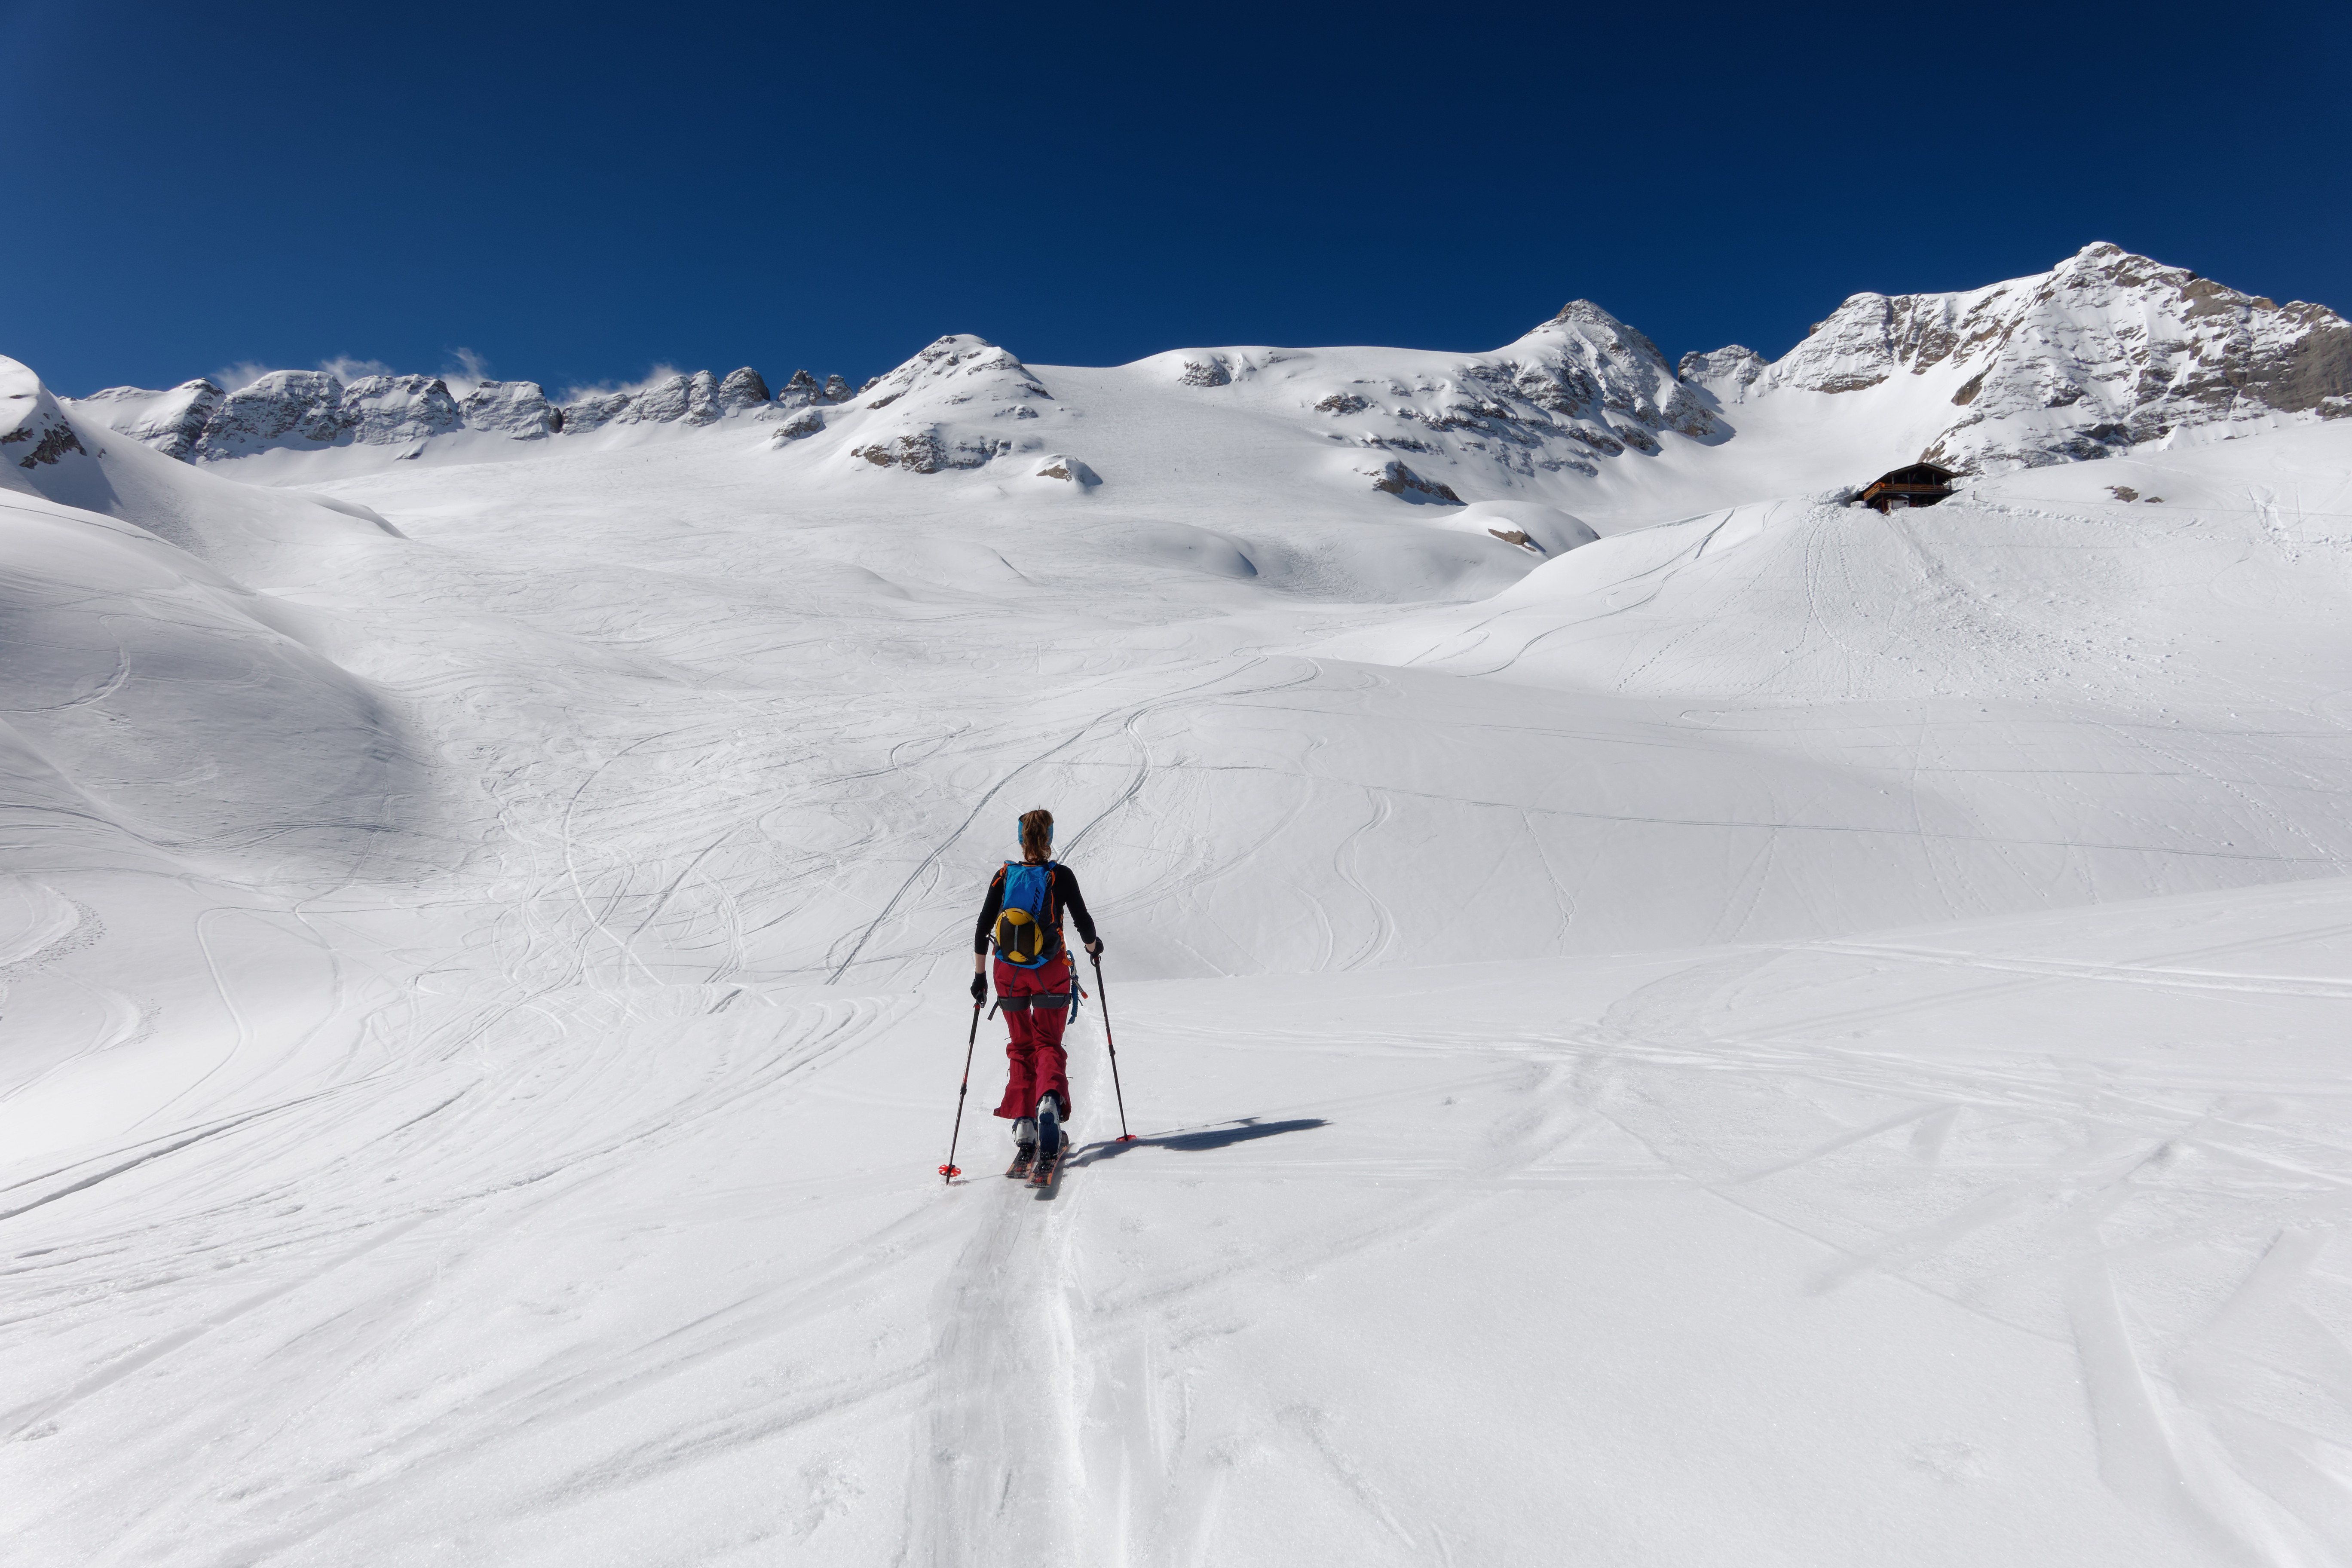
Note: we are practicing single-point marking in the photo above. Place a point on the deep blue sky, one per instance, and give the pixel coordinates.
(579, 192)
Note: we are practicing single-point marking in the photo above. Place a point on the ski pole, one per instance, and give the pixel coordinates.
(1102, 994)
(950, 1171)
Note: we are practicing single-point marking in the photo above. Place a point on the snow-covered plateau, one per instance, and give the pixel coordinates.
(1671, 1019)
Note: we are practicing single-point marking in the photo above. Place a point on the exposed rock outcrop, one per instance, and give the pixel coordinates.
(927, 451)
(393, 410)
(1069, 470)
(284, 408)
(803, 391)
(742, 389)
(798, 428)
(688, 399)
(1394, 479)
(516, 408)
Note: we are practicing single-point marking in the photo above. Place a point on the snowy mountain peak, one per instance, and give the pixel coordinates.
(2107, 351)
(171, 422)
(1586, 364)
(958, 404)
(959, 359)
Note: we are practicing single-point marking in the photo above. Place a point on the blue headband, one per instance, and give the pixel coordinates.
(1016, 833)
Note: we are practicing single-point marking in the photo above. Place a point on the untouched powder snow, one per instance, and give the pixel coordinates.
(1773, 1034)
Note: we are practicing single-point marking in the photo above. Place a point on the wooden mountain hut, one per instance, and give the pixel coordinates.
(1921, 484)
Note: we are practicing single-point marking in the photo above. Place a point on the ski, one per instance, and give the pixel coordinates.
(1024, 1155)
(1048, 1168)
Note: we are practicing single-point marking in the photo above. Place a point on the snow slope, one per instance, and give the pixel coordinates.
(1777, 1034)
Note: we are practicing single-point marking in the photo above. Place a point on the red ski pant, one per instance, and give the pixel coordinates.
(1039, 1064)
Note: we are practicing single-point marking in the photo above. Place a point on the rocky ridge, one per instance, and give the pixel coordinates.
(309, 410)
(2105, 351)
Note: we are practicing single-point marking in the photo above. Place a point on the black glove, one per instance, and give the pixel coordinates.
(1095, 948)
(978, 989)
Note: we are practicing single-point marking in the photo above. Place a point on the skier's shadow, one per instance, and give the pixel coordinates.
(1223, 1136)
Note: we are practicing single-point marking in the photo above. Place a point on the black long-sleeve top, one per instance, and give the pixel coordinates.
(1065, 895)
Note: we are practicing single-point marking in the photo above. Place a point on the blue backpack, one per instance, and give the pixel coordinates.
(1023, 937)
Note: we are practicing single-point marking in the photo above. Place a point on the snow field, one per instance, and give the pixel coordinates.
(507, 1134)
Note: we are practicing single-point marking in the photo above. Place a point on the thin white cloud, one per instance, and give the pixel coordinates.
(659, 373)
(343, 367)
(469, 371)
(245, 373)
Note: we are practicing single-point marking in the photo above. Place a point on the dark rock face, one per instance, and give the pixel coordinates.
(1394, 479)
(1212, 373)
(51, 440)
(35, 433)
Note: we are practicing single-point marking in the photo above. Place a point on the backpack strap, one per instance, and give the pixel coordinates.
(1043, 999)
